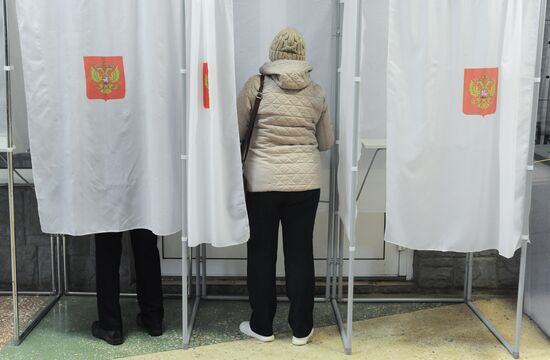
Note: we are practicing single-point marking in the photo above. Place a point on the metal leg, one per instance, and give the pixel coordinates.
(184, 292)
(52, 252)
(191, 325)
(468, 277)
(65, 278)
(203, 269)
(340, 264)
(513, 349)
(330, 240)
(13, 245)
(38, 317)
(335, 258)
(11, 201)
(521, 293)
(190, 271)
(198, 271)
(57, 242)
(339, 321)
(351, 272)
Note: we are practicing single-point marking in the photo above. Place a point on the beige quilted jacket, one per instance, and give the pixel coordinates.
(293, 125)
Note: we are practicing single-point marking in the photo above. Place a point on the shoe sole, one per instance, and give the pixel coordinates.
(114, 342)
(258, 337)
(302, 341)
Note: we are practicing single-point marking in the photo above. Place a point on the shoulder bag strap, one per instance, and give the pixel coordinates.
(253, 116)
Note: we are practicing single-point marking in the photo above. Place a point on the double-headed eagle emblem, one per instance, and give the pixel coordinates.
(105, 77)
(482, 90)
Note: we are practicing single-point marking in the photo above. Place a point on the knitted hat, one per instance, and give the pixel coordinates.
(288, 44)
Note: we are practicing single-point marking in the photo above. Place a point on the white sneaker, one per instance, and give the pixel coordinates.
(302, 341)
(247, 330)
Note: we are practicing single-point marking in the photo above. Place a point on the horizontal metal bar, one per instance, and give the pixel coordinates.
(492, 329)
(18, 339)
(340, 323)
(405, 300)
(191, 325)
(92, 293)
(30, 293)
(245, 298)
(124, 295)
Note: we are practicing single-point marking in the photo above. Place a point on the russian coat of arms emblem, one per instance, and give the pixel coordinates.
(104, 77)
(480, 91)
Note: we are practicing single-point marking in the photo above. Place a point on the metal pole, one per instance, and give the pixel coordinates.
(349, 331)
(30, 293)
(184, 292)
(203, 269)
(52, 251)
(491, 327)
(351, 195)
(333, 195)
(11, 200)
(335, 258)
(468, 278)
(339, 321)
(397, 300)
(245, 298)
(189, 270)
(198, 256)
(185, 264)
(65, 276)
(521, 293)
(38, 317)
(61, 289)
(529, 178)
(340, 262)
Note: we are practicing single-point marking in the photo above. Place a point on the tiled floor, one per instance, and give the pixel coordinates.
(65, 332)
(28, 306)
(444, 333)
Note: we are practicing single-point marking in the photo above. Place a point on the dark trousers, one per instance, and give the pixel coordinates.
(148, 278)
(296, 212)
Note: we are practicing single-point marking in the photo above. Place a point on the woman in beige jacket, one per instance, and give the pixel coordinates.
(282, 172)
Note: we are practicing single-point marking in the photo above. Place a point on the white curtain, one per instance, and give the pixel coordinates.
(216, 205)
(104, 95)
(460, 92)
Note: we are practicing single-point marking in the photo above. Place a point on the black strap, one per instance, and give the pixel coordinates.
(245, 145)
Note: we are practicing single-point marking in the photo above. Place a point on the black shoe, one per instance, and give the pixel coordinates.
(113, 337)
(153, 330)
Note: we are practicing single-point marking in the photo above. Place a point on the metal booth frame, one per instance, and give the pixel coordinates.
(200, 288)
(336, 239)
(19, 333)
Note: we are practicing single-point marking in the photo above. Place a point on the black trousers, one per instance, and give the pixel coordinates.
(296, 212)
(148, 278)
